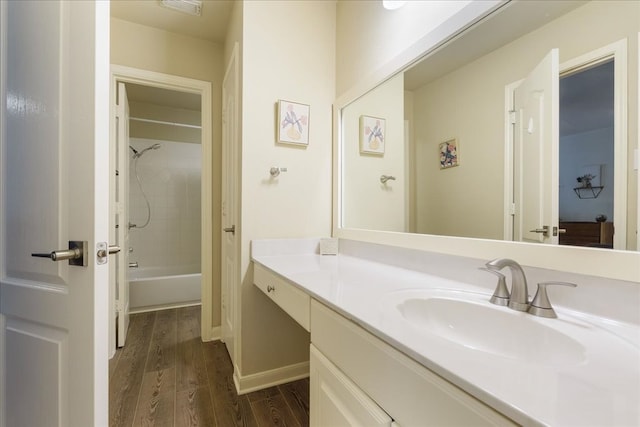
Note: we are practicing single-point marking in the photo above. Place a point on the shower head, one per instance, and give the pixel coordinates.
(135, 152)
(139, 154)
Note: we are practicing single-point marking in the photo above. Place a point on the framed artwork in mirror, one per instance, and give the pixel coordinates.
(449, 152)
(372, 135)
(293, 123)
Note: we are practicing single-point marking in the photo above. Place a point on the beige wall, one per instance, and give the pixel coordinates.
(288, 53)
(368, 35)
(469, 104)
(368, 203)
(147, 48)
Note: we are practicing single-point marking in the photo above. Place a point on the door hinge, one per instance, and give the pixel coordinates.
(512, 209)
(512, 117)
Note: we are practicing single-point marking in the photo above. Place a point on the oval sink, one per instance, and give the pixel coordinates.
(482, 326)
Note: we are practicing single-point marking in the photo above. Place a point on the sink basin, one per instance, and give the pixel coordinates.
(469, 320)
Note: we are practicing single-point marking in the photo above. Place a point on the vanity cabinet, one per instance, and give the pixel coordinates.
(411, 394)
(289, 298)
(359, 380)
(336, 400)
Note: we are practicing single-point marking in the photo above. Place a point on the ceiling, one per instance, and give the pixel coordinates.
(211, 26)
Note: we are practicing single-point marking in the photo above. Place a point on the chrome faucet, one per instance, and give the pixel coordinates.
(519, 297)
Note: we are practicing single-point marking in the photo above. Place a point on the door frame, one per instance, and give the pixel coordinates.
(618, 52)
(120, 73)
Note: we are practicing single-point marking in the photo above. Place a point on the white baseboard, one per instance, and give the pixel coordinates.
(214, 334)
(248, 383)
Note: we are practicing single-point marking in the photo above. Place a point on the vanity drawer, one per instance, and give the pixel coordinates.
(410, 393)
(289, 298)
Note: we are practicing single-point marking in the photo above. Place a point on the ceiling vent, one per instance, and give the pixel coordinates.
(191, 7)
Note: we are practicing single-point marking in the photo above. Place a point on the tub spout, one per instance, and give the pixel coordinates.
(133, 264)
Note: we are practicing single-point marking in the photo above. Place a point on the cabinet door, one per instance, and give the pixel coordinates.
(336, 401)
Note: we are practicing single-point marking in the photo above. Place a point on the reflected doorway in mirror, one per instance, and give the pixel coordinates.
(372, 135)
(449, 153)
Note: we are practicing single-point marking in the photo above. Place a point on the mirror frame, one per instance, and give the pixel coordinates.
(608, 263)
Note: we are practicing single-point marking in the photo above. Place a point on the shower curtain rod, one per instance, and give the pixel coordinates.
(162, 122)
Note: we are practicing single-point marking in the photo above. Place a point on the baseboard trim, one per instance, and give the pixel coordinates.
(215, 334)
(261, 380)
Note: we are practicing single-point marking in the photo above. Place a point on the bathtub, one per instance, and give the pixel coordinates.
(157, 288)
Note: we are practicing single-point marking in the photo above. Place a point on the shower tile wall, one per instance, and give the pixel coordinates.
(170, 178)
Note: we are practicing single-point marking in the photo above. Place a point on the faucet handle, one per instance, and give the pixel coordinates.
(541, 306)
(501, 294)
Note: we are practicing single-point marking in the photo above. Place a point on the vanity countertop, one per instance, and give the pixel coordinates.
(601, 389)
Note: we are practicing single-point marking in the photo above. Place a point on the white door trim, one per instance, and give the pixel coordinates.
(617, 51)
(120, 73)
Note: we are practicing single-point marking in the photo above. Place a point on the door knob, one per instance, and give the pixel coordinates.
(75, 254)
(544, 230)
(231, 229)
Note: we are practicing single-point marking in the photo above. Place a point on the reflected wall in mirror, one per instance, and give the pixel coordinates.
(466, 90)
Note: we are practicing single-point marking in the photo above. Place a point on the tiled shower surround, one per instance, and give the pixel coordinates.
(170, 177)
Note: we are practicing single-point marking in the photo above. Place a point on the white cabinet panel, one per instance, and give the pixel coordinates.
(336, 401)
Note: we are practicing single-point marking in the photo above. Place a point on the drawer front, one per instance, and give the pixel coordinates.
(411, 394)
(289, 298)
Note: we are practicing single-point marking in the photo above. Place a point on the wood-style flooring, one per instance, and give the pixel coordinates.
(166, 376)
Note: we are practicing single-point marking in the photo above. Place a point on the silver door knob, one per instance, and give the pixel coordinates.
(544, 230)
(75, 254)
(231, 229)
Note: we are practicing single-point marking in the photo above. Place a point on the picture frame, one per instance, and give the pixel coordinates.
(293, 123)
(449, 153)
(372, 135)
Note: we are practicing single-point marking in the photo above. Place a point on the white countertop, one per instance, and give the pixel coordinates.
(602, 390)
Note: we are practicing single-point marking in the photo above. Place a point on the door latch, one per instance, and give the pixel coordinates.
(103, 251)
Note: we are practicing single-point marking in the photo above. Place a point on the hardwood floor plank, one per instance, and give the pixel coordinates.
(156, 402)
(190, 368)
(113, 362)
(296, 394)
(229, 408)
(162, 350)
(144, 387)
(193, 408)
(263, 394)
(273, 411)
(126, 381)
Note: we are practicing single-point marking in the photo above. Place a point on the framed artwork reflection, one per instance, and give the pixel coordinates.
(372, 135)
(449, 152)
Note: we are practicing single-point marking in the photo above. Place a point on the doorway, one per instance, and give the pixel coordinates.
(604, 71)
(613, 75)
(168, 153)
(586, 155)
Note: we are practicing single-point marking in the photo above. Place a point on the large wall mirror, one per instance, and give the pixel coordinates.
(521, 128)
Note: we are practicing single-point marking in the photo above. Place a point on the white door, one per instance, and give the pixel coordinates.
(122, 208)
(54, 173)
(229, 199)
(536, 105)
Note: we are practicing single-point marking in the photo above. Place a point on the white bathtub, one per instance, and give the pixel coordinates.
(157, 288)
